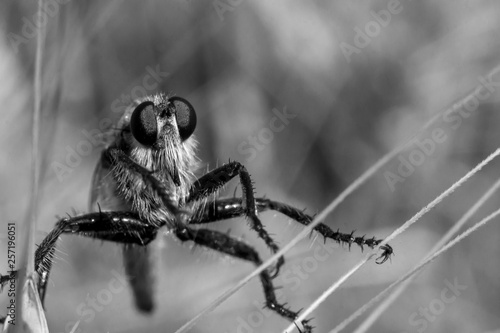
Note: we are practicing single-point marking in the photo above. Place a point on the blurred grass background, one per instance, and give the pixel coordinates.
(237, 62)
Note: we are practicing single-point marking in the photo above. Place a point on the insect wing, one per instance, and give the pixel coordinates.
(103, 192)
(95, 186)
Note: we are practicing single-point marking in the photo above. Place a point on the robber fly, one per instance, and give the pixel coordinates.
(145, 181)
(155, 134)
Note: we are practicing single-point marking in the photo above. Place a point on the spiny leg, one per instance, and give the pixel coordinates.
(324, 230)
(122, 227)
(232, 207)
(224, 243)
(214, 180)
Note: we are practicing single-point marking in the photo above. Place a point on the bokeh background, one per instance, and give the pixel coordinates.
(240, 63)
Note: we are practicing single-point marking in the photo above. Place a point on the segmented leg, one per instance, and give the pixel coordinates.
(223, 243)
(232, 207)
(214, 180)
(122, 227)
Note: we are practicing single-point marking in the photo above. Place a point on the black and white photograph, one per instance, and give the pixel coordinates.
(250, 166)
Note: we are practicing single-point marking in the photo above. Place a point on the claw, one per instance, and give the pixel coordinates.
(307, 328)
(388, 251)
(273, 272)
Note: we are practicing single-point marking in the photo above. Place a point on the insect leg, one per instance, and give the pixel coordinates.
(214, 180)
(121, 227)
(232, 207)
(224, 243)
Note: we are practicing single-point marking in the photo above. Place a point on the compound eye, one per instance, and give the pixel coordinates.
(143, 124)
(186, 117)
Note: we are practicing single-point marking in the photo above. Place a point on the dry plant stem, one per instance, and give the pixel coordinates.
(402, 287)
(27, 239)
(420, 266)
(441, 197)
(397, 232)
(35, 168)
